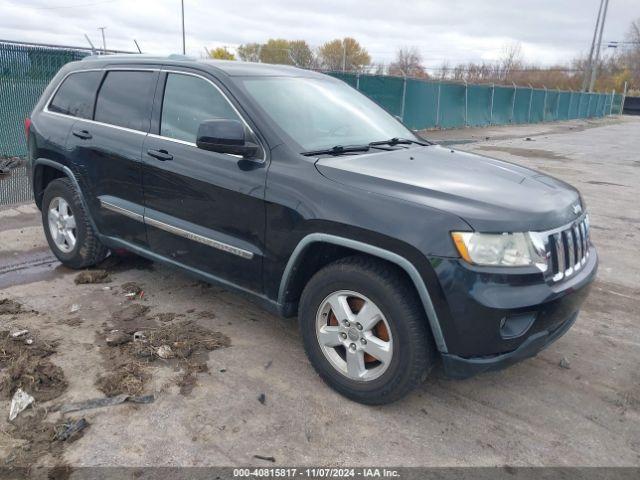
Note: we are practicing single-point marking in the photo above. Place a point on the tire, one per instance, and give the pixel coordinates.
(87, 250)
(411, 353)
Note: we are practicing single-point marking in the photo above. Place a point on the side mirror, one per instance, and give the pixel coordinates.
(225, 136)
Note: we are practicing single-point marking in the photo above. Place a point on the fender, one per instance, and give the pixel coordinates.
(67, 171)
(402, 262)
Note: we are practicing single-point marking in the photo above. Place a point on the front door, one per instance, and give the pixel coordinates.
(107, 150)
(203, 209)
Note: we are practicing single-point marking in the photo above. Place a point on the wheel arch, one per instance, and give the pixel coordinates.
(45, 171)
(291, 270)
(43, 174)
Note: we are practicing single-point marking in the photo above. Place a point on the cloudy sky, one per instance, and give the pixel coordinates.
(549, 31)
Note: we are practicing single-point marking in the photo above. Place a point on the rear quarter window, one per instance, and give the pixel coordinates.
(76, 95)
(125, 99)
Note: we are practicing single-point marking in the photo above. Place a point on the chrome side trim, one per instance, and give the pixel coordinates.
(191, 144)
(93, 122)
(122, 211)
(113, 242)
(174, 140)
(210, 242)
(402, 262)
(225, 247)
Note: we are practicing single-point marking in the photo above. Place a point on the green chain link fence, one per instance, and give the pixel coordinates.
(25, 71)
(424, 104)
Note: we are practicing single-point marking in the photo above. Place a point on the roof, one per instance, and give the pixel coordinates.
(232, 68)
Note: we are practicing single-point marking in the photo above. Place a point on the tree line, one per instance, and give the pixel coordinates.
(340, 54)
(347, 54)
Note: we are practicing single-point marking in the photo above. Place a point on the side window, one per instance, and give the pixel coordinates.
(188, 101)
(76, 95)
(125, 99)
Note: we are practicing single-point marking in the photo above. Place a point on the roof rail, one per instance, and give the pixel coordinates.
(145, 56)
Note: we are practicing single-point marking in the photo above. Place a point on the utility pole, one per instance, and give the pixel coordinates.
(184, 49)
(594, 67)
(344, 56)
(104, 42)
(587, 72)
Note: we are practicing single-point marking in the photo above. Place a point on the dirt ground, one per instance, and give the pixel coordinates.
(236, 386)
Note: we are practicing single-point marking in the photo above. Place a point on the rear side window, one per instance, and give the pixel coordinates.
(125, 99)
(188, 101)
(76, 95)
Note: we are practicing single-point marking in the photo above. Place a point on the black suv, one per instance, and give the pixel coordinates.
(294, 188)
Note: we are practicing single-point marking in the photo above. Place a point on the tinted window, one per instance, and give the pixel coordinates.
(76, 95)
(188, 101)
(125, 99)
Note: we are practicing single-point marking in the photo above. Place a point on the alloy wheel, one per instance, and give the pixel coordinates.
(62, 224)
(354, 335)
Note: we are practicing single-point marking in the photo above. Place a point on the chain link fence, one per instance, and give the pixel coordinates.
(26, 70)
(424, 104)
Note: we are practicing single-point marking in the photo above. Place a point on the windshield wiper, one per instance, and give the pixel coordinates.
(337, 150)
(400, 141)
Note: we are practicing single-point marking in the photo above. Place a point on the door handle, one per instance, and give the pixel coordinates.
(162, 155)
(83, 134)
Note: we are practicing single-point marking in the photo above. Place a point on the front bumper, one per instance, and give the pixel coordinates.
(458, 367)
(481, 301)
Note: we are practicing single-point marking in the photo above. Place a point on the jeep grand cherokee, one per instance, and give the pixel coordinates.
(295, 189)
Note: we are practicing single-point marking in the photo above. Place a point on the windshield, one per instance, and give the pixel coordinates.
(319, 113)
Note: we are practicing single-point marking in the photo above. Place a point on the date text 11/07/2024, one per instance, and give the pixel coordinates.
(316, 472)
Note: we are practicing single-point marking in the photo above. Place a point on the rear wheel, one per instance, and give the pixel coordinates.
(364, 330)
(67, 228)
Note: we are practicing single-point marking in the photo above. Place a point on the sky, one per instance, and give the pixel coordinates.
(456, 31)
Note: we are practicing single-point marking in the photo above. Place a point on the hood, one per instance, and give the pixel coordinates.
(490, 195)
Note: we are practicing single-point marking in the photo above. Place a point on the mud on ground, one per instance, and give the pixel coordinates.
(128, 364)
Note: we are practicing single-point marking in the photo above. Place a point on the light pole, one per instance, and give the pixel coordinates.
(184, 49)
(93, 49)
(587, 73)
(104, 42)
(594, 67)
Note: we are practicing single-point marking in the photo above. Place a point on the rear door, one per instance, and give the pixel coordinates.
(108, 151)
(72, 99)
(203, 209)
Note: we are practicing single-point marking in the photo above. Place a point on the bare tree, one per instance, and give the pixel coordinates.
(511, 59)
(631, 56)
(408, 63)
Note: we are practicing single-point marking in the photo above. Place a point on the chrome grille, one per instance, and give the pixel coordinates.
(569, 249)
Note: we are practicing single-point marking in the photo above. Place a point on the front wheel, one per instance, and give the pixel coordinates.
(67, 228)
(364, 330)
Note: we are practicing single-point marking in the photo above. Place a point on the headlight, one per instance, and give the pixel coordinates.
(501, 249)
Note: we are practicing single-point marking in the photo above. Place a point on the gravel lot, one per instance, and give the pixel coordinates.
(585, 412)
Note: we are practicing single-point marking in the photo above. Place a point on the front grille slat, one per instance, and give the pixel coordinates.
(585, 247)
(577, 246)
(569, 249)
(560, 265)
(568, 235)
